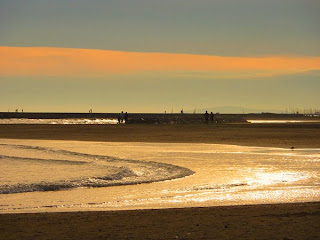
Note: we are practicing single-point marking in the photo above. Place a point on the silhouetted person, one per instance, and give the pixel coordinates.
(211, 117)
(217, 118)
(126, 117)
(206, 117)
(121, 116)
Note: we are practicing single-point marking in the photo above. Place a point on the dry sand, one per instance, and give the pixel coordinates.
(278, 221)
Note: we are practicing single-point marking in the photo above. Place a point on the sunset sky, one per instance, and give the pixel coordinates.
(155, 56)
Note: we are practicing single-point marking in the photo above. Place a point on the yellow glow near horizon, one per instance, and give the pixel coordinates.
(48, 61)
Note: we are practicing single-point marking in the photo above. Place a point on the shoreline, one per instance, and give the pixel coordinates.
(299, 220)
(265, 221)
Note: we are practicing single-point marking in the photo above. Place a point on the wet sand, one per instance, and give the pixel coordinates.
(299, 135)
(277, 221)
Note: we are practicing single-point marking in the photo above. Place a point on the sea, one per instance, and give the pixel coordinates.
(59, 121)
(98, 121)
(59, 176)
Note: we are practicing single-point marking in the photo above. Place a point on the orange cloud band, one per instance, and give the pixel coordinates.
(47, 61)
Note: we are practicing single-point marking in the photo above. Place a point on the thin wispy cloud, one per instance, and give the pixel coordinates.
(47, 61)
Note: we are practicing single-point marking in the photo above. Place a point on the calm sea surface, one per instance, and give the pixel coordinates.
(284, 121)
(58, 121)
(115, 121)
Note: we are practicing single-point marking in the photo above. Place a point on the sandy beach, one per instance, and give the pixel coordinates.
(274, 221)
(299, 135)
(172, 119)
(281, 221)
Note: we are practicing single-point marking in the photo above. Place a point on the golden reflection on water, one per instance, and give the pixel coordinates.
(224, 175)
(268, 178)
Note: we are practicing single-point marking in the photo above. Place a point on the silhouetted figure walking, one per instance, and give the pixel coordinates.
(211, 117)
(121, 116)
(126, 117)
(206, 117)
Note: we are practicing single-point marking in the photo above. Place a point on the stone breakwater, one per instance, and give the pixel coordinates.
(184, 119)
(157, 118)
(134, 118)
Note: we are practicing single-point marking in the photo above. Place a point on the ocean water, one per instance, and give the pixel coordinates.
(40, 175)
(58, 121)
(115, 121)
(283, 121)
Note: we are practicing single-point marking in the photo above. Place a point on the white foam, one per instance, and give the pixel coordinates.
(58, 121)
(77, 165)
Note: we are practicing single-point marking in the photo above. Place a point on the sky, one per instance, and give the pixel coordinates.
(159, 55)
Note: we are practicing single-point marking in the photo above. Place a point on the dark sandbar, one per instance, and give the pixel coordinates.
(277, 221)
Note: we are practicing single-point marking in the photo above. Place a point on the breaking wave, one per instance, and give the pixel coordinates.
(77, 170)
